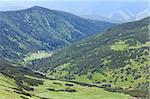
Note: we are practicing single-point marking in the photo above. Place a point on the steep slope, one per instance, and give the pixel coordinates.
(119, 57)
(39, 28)
(21, 83)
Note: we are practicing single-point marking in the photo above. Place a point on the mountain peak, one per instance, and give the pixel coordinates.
(37, 8)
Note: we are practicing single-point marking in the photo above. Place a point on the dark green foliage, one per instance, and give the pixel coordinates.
(134, 93)
(63, 90)
(67, 84)
(137, 77)
(57, 83)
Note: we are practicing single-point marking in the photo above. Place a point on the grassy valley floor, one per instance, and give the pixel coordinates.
(54, 89)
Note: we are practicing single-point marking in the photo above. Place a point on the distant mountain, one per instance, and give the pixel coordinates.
(99, 17)
(120, 15)
(118, 57)
(125, 15)
(39, 28)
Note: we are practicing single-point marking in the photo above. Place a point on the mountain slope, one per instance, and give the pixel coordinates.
(119, 57)
(39, 28)
(22, 83)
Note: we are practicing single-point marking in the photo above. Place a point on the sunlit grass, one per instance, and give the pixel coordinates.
(83, 92)
(36, 55)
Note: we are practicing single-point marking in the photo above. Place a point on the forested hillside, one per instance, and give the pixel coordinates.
(37, 28)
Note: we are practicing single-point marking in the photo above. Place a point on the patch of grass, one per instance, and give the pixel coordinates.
(36, 55)
(119, 46)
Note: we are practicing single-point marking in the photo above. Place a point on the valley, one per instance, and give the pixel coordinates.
(52, 54)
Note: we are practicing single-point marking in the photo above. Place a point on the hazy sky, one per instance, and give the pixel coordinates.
(82, 7)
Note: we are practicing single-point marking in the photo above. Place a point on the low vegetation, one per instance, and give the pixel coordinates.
(17, 83)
